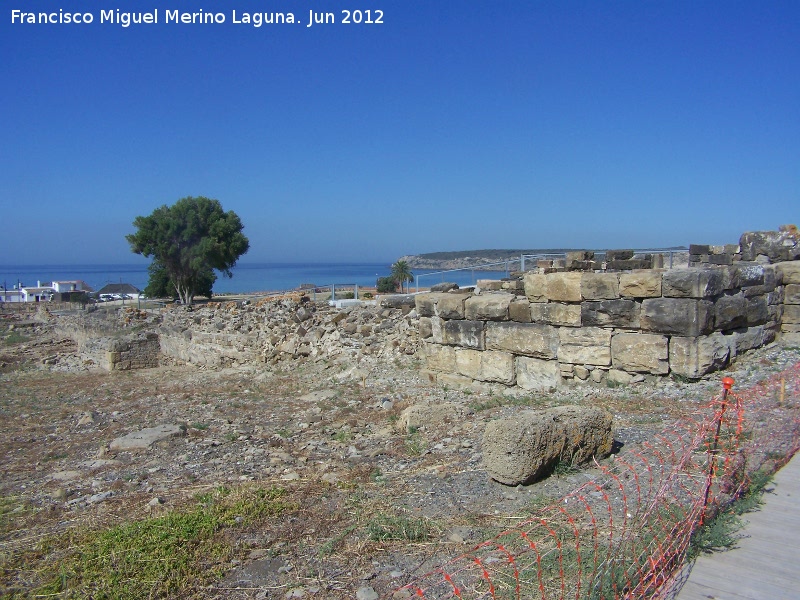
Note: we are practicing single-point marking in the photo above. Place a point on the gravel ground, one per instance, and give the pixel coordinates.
(318, 429)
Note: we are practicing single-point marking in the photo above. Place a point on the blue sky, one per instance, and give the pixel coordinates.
(452, 125)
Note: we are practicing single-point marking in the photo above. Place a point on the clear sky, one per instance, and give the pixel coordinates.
(451, 125)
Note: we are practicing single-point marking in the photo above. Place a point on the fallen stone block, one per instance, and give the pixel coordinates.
(526, 447)
(141, 440)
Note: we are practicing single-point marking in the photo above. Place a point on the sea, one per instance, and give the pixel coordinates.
(247, 277)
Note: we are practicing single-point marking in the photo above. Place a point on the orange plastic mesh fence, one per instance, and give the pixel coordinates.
(625, 533)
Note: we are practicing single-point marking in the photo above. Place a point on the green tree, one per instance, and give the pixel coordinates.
(401, 273)
(160, 285)
(385, 285)
(187, 241)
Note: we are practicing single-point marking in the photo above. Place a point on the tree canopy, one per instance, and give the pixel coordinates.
(187, 241)
(401, 273)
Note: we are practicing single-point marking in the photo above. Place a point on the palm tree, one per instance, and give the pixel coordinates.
(401, 273)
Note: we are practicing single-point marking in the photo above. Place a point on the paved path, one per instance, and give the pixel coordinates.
(766, 563)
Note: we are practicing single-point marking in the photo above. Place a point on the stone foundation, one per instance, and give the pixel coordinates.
(589, 326)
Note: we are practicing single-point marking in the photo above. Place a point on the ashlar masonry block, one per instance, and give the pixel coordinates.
(564, 287)
(585, 346)
(692, 283)
(730, 312)
(599, 286)
(556, 313)
(451, 306)
(426, 303)
(622, 312)
(789, 271)
(537, 374)
(640, 284)
(693, 357)
(529, 339)
(640, 353)
(677, 316)
(536, 287)
(440, 358)
(486, 366)
(488, 307)
(467, 334)
(520, 310)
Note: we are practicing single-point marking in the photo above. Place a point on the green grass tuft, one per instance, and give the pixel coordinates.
(164, 555)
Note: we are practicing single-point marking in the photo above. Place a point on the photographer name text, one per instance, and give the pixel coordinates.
(198, 17)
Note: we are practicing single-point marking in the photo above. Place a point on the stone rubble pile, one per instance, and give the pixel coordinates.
(235, 333)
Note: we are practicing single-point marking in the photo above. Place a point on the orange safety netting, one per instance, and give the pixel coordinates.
(625, 533)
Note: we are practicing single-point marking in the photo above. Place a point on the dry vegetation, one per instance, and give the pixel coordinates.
(272, 491)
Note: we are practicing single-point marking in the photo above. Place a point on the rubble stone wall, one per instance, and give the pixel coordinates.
(538, 332)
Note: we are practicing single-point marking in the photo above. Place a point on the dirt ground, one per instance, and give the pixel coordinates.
(368, 506)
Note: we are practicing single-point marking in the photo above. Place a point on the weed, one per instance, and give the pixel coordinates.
(283, 432)
(565, 467)
(162, 556)
(14, 337)
(328, 547)
(200, 426)
(720, 532)
(383, 528)
(415, 445)
(231, 437)
(343, 436)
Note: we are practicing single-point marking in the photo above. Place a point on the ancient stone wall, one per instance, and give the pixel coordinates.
(550, 327)
(790, 323)
(138, 351)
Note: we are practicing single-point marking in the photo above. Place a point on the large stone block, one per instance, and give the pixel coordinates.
(530, 339)
(437, 330)
(527, 446)
(425, 328)
(599, 286)
(585, 346)
(611, 313)
(776, 245)
(556, 313)
(467, 334)
(486, 366)
(520, 310)
(426, 304)
(537, 374)
(692, 283)
(730, 312)
(564, 287)
(488, 307)
(536, 287)
(748, 274)
(757, 310)
(451, 306)
(792, 293)
(746, 339)
(693, 357)
(791, 313)
(640, 284)
(789, 271)
(440, 358)
(677, 316)
(640, 353)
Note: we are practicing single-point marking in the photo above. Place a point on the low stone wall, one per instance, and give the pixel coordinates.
(551, 327)
(140, 351)
(790, 325)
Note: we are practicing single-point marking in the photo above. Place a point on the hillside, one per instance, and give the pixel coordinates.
(467, 258)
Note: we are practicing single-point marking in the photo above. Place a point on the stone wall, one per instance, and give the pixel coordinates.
(790, 325)
(537, 332)
(138, 351)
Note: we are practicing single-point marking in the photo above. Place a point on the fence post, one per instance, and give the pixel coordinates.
(522, 263)
(727, 384)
